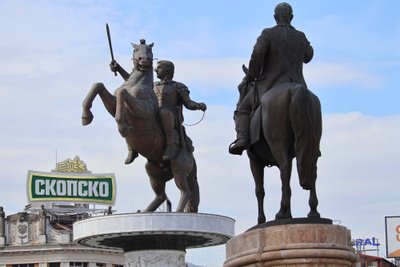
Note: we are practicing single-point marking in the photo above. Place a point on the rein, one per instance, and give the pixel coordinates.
(202, 117)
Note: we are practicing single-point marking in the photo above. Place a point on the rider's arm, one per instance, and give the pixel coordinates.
(308, 50)
(309, 53)
(187, 102)
(115, 67)
(257, 56)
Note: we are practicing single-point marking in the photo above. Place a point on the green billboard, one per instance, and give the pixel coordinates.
(71, 187)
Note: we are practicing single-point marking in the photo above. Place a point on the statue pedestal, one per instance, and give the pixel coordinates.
(154, 239)
(294, 245)
(158, 257)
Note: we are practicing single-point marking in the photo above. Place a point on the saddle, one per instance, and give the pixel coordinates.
(182, 139)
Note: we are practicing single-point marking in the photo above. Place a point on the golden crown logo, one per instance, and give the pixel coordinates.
(71, 165)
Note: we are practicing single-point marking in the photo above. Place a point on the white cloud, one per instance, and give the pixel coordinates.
(326, 74)
(221, 73)
(212, 73)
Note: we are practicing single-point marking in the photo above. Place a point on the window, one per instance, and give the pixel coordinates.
(24, 265)
(54, 264)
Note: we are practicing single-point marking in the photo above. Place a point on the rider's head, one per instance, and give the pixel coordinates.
(165, 69)
(283, 13)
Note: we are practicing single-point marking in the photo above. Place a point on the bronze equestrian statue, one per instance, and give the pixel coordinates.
(135, 108)
(277, 117)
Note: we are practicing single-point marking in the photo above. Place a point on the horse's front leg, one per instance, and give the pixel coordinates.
(285, 168)
(257, 169)
(313, 202)
(107, 98)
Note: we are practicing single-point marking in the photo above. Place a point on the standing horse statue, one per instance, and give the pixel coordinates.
(286, 124)
(135, 109)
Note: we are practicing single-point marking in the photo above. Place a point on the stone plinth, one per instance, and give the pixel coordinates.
(292, 245)
(154, 239)
(164, 258)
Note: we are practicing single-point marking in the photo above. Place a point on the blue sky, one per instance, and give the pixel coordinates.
(53, 51)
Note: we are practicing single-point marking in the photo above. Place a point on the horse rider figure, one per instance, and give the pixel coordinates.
(277, 58)
(171, 95)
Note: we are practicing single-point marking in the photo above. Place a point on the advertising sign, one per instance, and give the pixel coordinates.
(71, 187)
(363, 242)
(392, 227)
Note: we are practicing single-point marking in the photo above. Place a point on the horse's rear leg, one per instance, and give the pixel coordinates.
(107, 98)
(159, 189)
(182, 184)
(313, 202)
(193, 204)
(157, 182)
(285, 168)
(257, 169)
(308, 171)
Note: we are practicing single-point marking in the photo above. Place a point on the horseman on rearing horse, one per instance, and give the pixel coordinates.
(135, 108)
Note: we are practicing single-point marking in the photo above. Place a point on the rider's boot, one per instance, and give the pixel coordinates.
(242, 141)
(132, 155)
(170, 152)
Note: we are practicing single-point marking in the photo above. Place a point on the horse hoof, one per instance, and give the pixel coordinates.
(87, 120)
(283, 215)
(313, 214)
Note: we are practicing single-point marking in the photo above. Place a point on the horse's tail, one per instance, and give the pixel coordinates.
(194, 201)
(306, 121)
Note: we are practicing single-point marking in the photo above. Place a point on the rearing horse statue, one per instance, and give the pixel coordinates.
(135, 109)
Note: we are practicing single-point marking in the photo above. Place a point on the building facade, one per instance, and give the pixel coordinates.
(41, 235)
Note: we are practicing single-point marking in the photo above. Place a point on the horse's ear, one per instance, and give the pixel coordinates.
(151, 45)
(134, 45)
(245, 69)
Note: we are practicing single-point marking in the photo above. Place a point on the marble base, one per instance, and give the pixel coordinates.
(154, 230)
(155, 258)
(292, 245)
(154, 239)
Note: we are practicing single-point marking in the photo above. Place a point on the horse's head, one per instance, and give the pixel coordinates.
(245, 85)
(142, 56)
